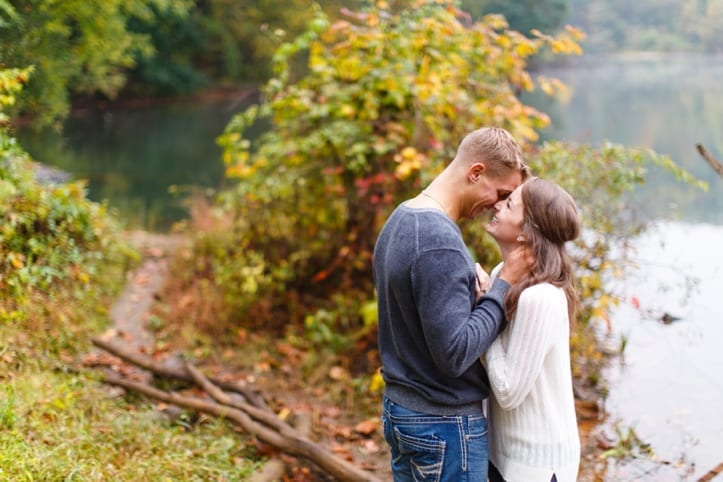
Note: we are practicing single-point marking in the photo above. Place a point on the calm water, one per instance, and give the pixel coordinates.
(668, 385)
(143, 160)
(667, 103)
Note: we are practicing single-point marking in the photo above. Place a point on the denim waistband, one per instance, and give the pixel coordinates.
(412, 400)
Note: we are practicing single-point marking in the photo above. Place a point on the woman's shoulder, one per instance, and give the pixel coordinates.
(542, 293)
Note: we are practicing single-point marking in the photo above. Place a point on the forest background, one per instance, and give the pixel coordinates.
(369, 99)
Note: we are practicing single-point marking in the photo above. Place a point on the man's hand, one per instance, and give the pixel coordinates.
(483, 282)
(519, 262)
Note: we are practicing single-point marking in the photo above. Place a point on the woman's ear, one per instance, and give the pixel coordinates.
(521, 238)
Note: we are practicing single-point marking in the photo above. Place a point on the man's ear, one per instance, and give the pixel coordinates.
(476, 171)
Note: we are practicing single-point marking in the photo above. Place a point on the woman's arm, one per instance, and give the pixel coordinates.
(540, 311)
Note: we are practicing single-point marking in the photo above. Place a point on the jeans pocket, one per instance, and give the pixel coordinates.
(425, 455)
(477, 447)
(477, 427)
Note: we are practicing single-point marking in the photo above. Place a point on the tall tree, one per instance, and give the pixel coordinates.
(75, 46)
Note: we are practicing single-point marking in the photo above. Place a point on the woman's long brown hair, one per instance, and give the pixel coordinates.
(550, 219)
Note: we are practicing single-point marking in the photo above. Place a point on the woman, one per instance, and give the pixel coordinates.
(533, 426)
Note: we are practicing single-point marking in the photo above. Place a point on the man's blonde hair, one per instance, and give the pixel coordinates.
(496, 149)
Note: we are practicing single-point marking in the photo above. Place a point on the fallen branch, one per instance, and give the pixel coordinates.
(712, 473)
(275, 468)
(714, 163)
(267, 417)
(298, 446)
(178, 373)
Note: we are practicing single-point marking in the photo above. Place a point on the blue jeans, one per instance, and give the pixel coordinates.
(433, 447)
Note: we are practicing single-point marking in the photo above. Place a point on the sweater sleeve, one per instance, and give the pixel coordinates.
(456, 331)
(512, 372)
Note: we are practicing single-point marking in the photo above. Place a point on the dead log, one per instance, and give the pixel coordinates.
(714, 163)
(297, 446)
(177, 373)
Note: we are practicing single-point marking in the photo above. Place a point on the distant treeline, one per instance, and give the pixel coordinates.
(171, 47)
(657, 25)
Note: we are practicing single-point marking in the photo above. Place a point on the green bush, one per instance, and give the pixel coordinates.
(60, 254)
(51, 237)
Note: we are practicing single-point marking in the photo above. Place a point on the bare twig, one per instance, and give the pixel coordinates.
(178, 373)
(714, 163)
(264, 416)
(718, 469)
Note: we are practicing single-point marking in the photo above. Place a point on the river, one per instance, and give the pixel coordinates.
(667, 385)
(143, 159)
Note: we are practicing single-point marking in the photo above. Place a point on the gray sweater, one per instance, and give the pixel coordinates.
(431, 332)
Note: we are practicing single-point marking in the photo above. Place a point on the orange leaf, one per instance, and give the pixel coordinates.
(367, 427)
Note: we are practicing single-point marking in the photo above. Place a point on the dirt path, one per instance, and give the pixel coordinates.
(333, 427)
(129, 313)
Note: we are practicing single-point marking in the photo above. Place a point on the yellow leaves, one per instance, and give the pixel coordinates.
(565, 43)
(347, 110)
(525, 131)
(251, 276)
(376, 384)
(235, 157)
(526, 49)
(565, 46)
(17, 260)
(503, 41)
(419, 43)
(495, 21)
(240, 169)
(522, 80)
(410, 160)
(351, 68)
(575, 33)
(553, 87)
(316, 57)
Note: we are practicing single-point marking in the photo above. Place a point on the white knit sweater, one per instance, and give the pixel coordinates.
(533, 427)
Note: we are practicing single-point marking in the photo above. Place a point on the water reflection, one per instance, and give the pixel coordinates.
(667, 385)
(131, 156)
(668, 103)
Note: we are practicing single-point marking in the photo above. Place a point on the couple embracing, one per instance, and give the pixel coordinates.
(453, 338)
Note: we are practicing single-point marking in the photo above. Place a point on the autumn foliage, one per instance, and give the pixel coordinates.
(372, 114)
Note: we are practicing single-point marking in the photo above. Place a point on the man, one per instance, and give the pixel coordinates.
(434, 322)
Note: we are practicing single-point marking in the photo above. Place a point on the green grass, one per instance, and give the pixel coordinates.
(66, 427)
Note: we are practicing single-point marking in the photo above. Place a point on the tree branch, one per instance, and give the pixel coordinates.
(166, 371)
(259, 422)
(714, 163)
